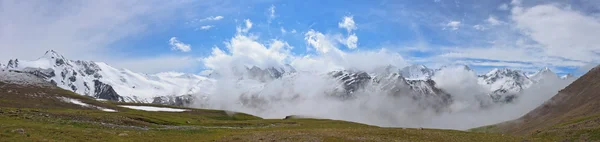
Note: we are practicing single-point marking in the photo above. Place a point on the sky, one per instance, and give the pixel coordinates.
(152, 36)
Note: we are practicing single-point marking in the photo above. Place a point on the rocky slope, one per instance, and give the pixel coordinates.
(571, 113)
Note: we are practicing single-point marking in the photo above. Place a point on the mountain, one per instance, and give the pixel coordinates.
(424, 92)
(572, 112)
(567, 76)
(416, 72)
(543, 74)
(99, 80)
(505, 84)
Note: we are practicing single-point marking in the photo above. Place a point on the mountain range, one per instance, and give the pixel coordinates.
(102, 81)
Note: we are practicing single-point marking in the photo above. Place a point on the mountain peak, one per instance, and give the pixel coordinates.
(545, 69)
(417, 66)
(52, 55)
(543, 73)
(416, 72)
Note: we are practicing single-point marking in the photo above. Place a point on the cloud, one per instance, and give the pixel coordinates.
(244, 51)
(212, 18)
(351, 41)
(79, 29)
(291, 94)
(508, 54)
(516, 2)
(271, 12)
(348, 23)
(178, 45)
(206, 27)
(453, 25)
(283, 31)
(248, 26)
(320, 42)
(479, 27)
(536, 36)
(561, 31)
(493, 21)
(503, 6)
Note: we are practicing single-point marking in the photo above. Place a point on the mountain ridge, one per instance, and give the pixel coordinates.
(100, 80)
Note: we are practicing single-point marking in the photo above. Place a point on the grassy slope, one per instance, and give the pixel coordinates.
(34, 114)
(572, 114)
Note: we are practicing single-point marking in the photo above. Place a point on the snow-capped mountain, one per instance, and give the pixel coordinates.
(416, 72)
(543, 74)
(505, 83)
(423, 92)
(253, 85)
(102, 81)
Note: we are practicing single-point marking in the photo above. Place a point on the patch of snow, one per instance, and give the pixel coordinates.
(78, 102)
(102, 100)
(152, 108)
(74, 101)
(107, 110)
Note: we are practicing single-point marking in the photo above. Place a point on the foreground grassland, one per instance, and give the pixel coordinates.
(202, 125)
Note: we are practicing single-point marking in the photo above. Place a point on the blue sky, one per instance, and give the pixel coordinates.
(141, 35)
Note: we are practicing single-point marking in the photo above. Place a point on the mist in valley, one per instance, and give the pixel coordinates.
(307, 88)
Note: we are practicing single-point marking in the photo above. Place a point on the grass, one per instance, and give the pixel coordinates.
(56, 127)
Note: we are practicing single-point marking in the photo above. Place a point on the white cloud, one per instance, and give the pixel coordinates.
(561, 31)
(516, 2)
(453, 25)
(320, 42)
(479, 27)
(212, 18)
(348, 23)
(178, 45)
(351, 41)
(271, 12)
(537, 36)
(293, 31)
(532, 56)
(503, 6)
(244, 51)
(78, 29)
(206, 27)
(493, 21)
(248, 26)
(283, 31)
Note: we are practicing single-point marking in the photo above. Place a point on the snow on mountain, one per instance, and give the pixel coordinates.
(102, 81)
(99, 80)
(567, 76)
(505, 83)
(543, 74)
(423, 92)
(22, 78)
(416, 72)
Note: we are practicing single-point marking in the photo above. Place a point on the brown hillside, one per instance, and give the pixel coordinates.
(575, 108)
